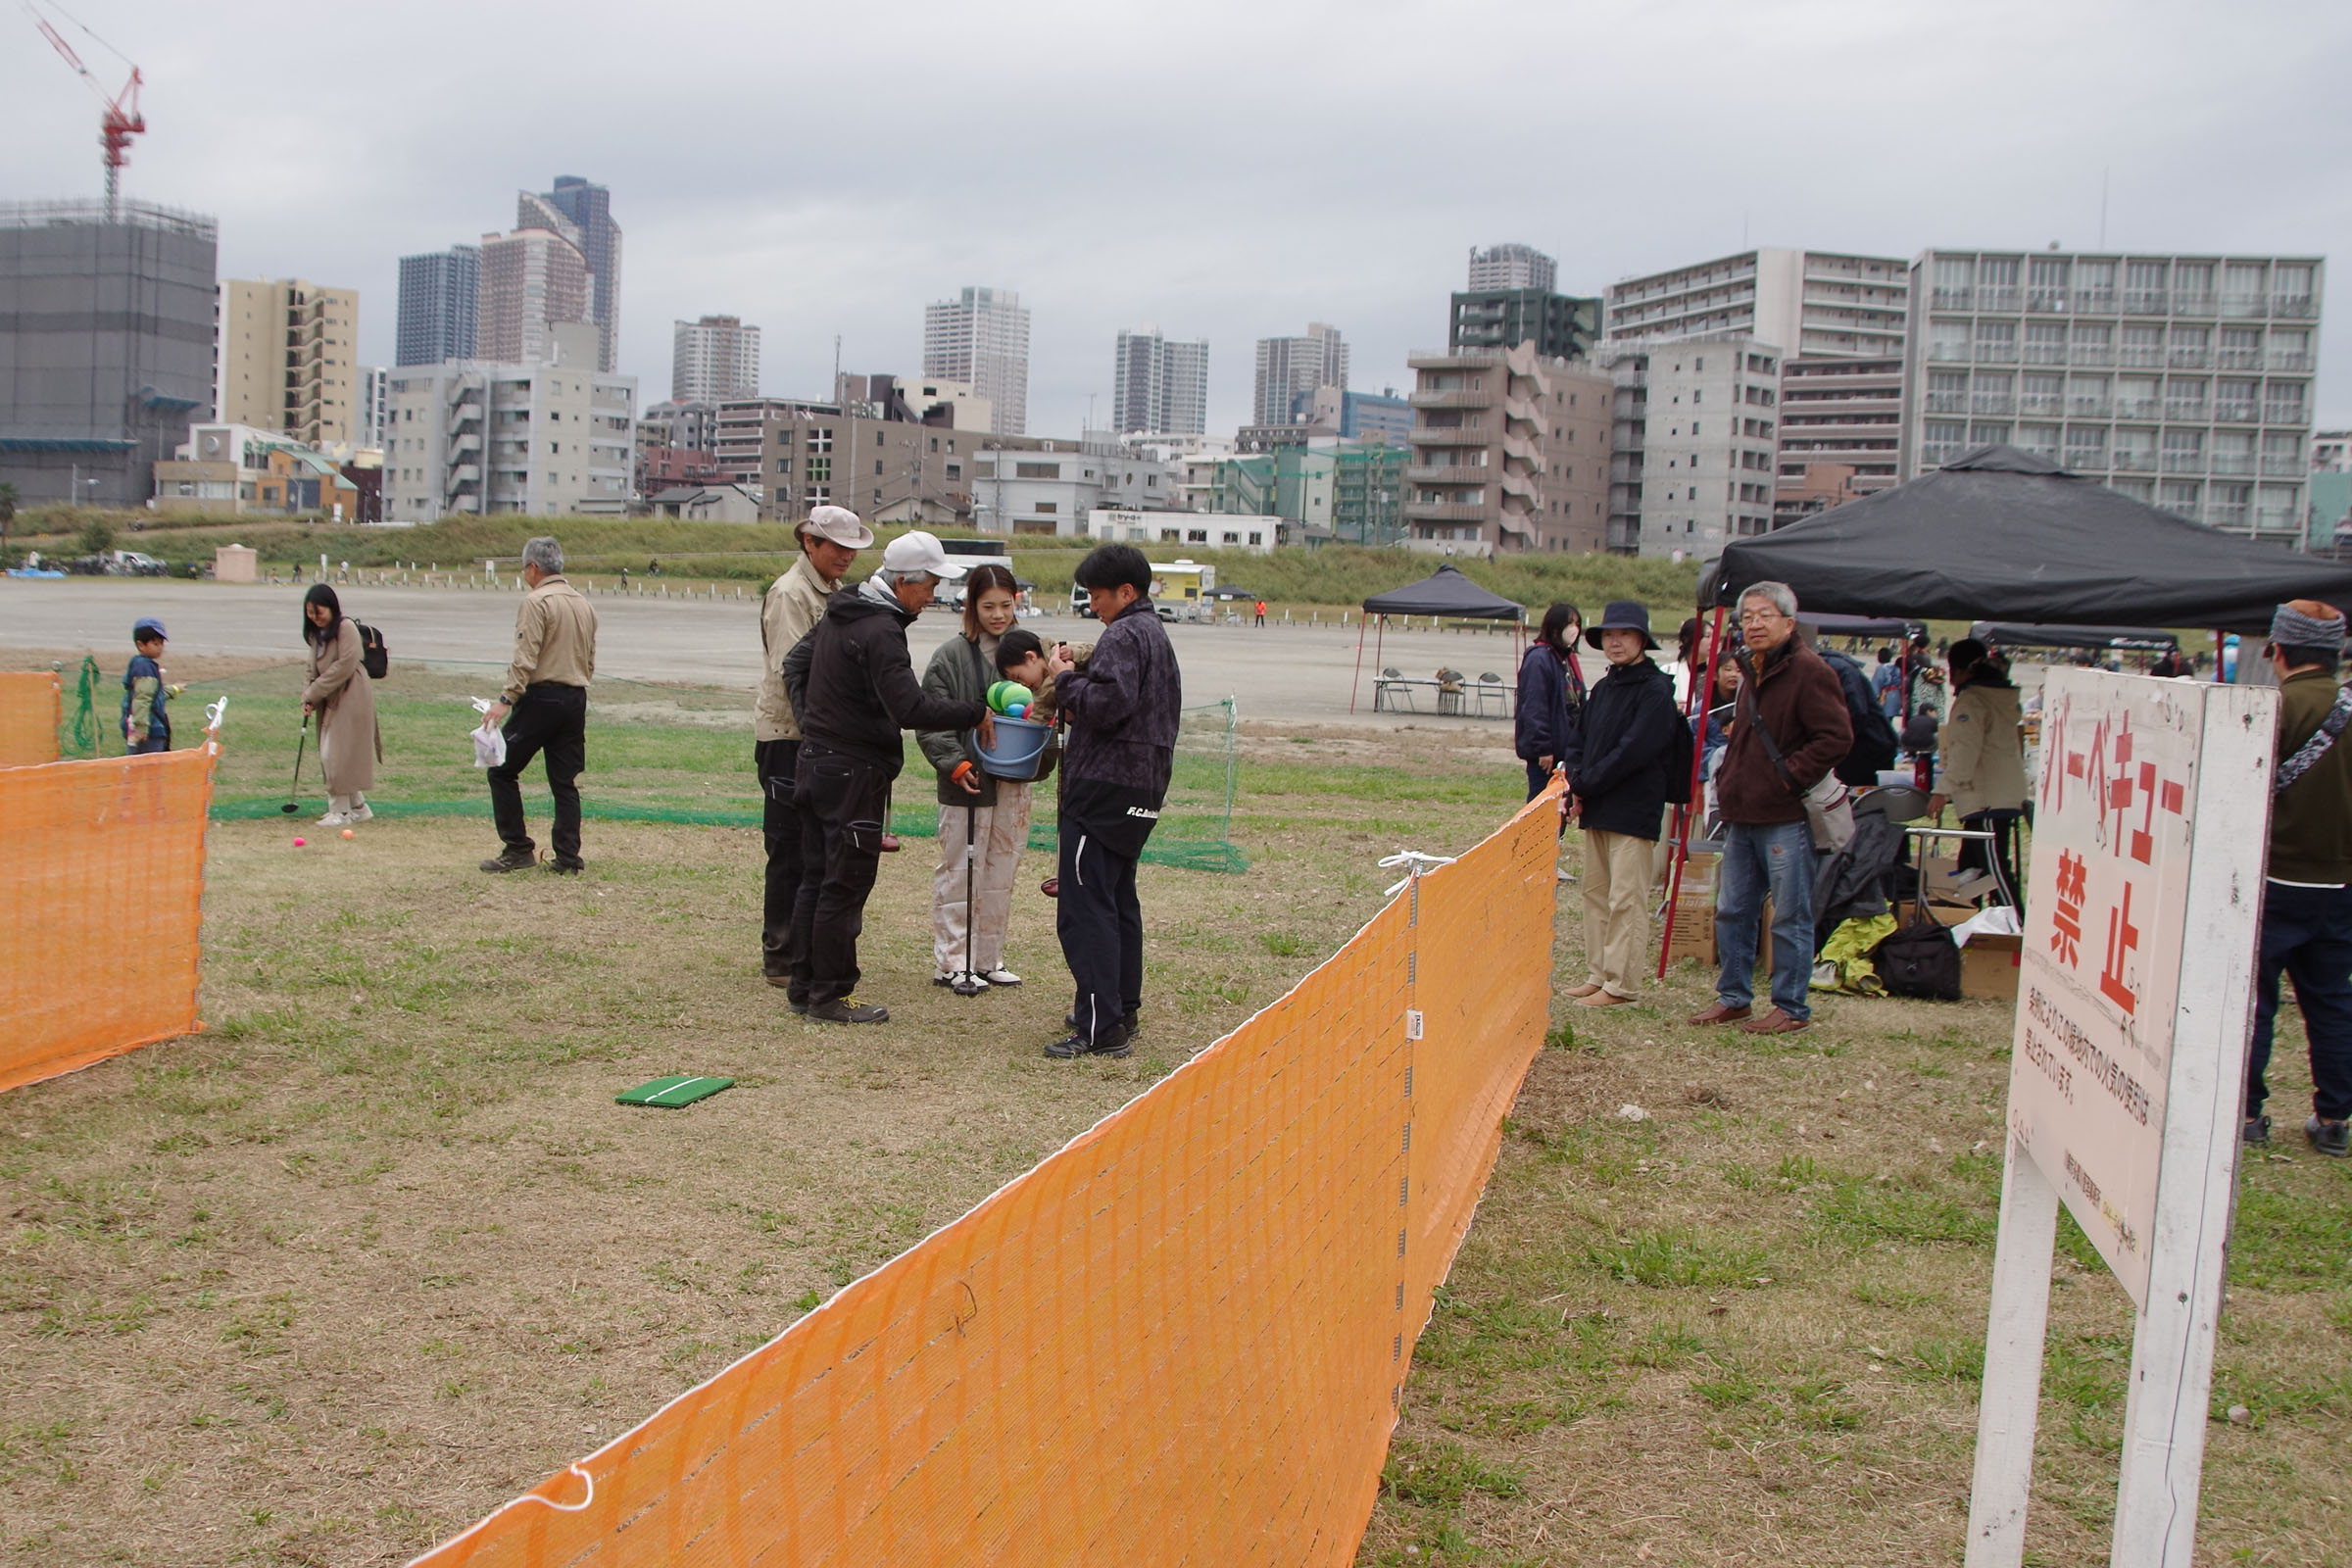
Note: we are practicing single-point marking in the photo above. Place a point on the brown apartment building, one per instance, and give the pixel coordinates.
(1511, 453)
(800, 455)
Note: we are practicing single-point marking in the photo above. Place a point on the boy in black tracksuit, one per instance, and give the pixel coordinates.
(1123, 709)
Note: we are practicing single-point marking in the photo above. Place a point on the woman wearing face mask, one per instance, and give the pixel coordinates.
(993, 812)
(342, 698)
(1632, 744)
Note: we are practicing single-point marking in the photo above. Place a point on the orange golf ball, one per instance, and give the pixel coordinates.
(349, 833)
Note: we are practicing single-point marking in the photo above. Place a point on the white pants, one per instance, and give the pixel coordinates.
(1001, 832)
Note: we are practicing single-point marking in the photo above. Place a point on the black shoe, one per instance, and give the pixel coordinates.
(1118, 1042)
(563, 867)
(509, 859)
(2331, 1137)
(847, 1009)
(2257, 1132)
(1133, 1023)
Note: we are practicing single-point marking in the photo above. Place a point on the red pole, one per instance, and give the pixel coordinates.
(1683, 813)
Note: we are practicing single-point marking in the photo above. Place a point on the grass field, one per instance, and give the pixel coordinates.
(376, 1250)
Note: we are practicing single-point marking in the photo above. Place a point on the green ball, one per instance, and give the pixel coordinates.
(1006, 695)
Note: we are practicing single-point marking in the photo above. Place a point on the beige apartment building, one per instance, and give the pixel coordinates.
(886, 470)
(1511, 453)
(290, 359)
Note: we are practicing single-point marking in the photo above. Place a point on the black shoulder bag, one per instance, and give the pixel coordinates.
(1920, 959)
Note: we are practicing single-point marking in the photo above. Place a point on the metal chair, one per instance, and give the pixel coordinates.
(1491, 686)
(1390, 688)
(1897, 803)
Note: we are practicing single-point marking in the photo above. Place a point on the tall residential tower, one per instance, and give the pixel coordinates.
(588, 208)
(439, 294)
(1290, 366)
(712, 360)
(982, 338)
(289, 358)
(1160, 385)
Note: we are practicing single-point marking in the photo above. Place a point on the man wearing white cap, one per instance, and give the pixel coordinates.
(830, 538)
(852, 685)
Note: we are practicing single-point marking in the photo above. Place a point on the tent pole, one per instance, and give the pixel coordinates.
(1683, 813)
(1358, 679)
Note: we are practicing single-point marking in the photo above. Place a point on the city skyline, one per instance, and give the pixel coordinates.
(854, 253)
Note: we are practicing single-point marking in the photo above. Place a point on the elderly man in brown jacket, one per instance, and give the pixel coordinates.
(1789, 729)
(830, 538)
(544, 708)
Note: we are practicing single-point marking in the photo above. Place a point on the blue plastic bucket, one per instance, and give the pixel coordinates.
(1020, 746)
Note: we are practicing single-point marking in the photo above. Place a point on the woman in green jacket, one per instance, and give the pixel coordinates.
(990, 813)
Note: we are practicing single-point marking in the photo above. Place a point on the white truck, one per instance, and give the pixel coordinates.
(1180, 591)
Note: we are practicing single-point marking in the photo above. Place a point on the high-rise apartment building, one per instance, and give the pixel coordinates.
(588, 208)
(982, 338)
(532, 280)
(1290, 366)
(550, 438)
(714, 359)
(1562, 326)
(1160, 385)
(2181, 380)
(106, 344)
(289, 358)
(1511, 453)
(439, 295)
(1512, 266)
(1692, 451)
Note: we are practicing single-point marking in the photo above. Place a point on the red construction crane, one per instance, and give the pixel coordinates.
(119, 120)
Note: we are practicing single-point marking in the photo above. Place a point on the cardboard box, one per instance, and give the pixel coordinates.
(1694, 928)
(1988, 968)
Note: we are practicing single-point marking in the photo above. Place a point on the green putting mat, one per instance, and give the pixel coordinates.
(671, 1093)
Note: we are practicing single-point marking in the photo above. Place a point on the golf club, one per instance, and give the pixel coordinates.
(968, 984)
(292, 806)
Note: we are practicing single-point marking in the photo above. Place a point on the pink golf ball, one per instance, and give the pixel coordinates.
(298, 844)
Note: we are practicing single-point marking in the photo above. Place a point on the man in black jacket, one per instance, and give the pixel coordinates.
(852, 686)
(1123, 709)
(1635, 756)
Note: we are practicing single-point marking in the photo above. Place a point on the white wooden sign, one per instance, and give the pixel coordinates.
(2134, 1004)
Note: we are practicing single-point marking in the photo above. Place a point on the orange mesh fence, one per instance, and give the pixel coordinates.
(101, 880)
(30, 709)
(1181, 1338)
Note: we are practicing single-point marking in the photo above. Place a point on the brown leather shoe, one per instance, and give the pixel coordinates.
(1604, 999)
(1585, 990)
(1717, 1013)
(1775, 1022)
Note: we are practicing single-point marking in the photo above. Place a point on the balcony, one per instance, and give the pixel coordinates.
(2296, 306)
(2186, 411)
(2283, 413)
(2140, 357)
(2291, 361)
(2193, 304)
(2046, 301)
(2097, 301)
(2235, 412)
(1455, 474)
(1949, 353)
(2244, 305)
(2088, 408)
(1992, 403)
(1996, 354)
(2135, 460)
(2227, 514)
(2045, 353)
(2237, 359)
(1939, 453)
(2087, 460)
(2050, 403)
(1452, 400)
(2091, 354)
(1955, 299)
(2228, 463)
(1465, 436)
(2144, 302)
(2000, 299)
(2282, 467)
(1438, 512)
(2138, 408)
(2188, 359)
(2273, 520)
(2178, 461)
(1948, 403)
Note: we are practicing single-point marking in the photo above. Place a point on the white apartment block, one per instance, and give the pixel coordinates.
(289, 360)
(1512, 266)
(1692, 456)
(1159, 384)
(2184, 381)
(1257, 532)
(981, 338)
(1047, 491)
(712, 360)
(1288, 367)
(1806, 302)
(475, 436)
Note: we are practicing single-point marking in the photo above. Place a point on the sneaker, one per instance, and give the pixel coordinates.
(2257, 1132)
(563, 867)
(999, 976)
(847, 1009)
(953, 975)
(509, 859)
(361, 813)
(337, 819)
(2331, 1137)
(1117, 1043)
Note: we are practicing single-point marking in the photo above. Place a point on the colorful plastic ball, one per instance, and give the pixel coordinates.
(298, 842)
(349, 833)
(1016, 709)
(1005, 693)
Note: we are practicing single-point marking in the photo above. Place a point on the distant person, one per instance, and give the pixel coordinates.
(1789, 729)
(1984, 756)
(1262, 613)
(146, 698)
(970, 910)
(1124, 707)
(543, 707)
(1886, 685)
(1552, 691)
(340, 694)
(851, 682)
(1633, 756)
(2167, 666)
(2307, 904)
(829, 538)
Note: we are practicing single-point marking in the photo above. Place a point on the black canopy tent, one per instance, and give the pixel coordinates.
(2010, 634)
(1826, 625)
(1443, 592)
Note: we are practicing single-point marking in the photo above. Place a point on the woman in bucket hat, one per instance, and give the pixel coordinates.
(1634, 744)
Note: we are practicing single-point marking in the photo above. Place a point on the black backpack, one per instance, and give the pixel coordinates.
(1920, 959)
(1875, 741)
(372, 657)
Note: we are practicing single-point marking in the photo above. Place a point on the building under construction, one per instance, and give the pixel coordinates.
(106, 344)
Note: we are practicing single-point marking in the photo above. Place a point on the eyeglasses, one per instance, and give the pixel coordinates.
(1750, 617)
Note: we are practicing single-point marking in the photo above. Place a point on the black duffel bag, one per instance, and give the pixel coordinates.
(1920, 959)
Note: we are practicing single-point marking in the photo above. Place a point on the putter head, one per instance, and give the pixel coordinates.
(290, 807)
(968, 984)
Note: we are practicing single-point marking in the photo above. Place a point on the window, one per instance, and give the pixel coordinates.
(1049, 506)
(820, 470)
(783, 464)
(1036, 471)
(821, 440)
(955, 471)
(1257, 537)
(877, 468)
(1698, 364)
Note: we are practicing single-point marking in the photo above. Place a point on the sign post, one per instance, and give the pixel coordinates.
(2150, 835)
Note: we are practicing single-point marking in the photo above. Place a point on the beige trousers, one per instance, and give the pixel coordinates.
(1001, 832)
(1616, 886)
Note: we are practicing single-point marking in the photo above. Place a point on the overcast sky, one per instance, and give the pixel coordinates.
(1218, 170)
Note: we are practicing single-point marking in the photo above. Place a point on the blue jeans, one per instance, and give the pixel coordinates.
(1778, 859)
(2305, 934)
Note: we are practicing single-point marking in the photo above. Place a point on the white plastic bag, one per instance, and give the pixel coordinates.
(489, 742)
(1999, 920)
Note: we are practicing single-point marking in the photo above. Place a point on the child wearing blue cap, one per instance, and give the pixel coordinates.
(146, 726)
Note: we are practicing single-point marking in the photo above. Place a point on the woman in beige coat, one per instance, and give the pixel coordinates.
(1984, 756)
(342, 698)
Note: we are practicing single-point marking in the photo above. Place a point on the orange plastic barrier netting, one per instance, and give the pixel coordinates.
(101, 883)
(1181, 1338)
(30, 709)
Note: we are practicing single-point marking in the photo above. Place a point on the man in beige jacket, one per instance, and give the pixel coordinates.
(544, 708)
(830, 539)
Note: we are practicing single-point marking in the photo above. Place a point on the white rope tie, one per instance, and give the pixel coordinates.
(1415, 865)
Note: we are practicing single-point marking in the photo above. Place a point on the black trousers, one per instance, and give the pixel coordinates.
(1998, 859)
(840, 800)
(1101, 923)
(551, 719)
(780, 826)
